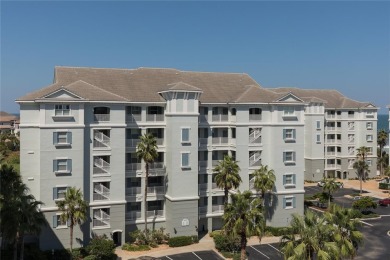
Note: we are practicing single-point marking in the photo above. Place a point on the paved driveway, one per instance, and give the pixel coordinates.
(265, 251)
(198, 255)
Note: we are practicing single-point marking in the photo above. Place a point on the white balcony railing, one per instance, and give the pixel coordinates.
(101, 192)
(155, 117)
(220, 140)
(215, 162)
(133, 191)
(214, 186)
(101, 117)
(133, 166)
(133, 215)
(101, 223)
(220, 118)
(157, 190)
(255, 159)
(255, 136)
(133, 118)
(160, 141)
(101, 140)
(255, 117)
(132, 142)
(155, 213)
(217, 208)
(330, 153)
(100, 166)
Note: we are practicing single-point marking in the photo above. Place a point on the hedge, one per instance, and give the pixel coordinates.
(182, 241)
(130, 247)
(279, 231)
(384, 186)
(227, 243)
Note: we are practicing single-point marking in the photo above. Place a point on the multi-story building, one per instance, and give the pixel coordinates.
(83, 130)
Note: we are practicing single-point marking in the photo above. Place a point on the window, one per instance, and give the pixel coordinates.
(289, 179)
(351, 114)
(59, 192)
(62, 110)
(62, 165)
(58, 223)
(289, 157)
(318, 138)
(289, 111)
(289, 202)
(62, 138)
(369, 138)
(369, 125)
(318, 124)
(369, 152)
(185, 160)
(289, 134)
(185, 135)
(370, 114)
(369, 162)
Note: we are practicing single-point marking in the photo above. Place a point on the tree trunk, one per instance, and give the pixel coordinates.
(329, 199)
(145, 195)
(243, 246)
(226, 198)
(15, 257)
(21, 257)
(71, 237)
(361, 182)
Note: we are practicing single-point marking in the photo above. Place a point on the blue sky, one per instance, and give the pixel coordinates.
(336, 45)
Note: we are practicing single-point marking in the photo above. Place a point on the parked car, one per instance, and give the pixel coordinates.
(357, 197)
(384, 202)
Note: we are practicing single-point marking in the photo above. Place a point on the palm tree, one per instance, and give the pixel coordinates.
(346, 234)
(227, 176)
(73, 208)
(330, 186)
(361, 167)
(311, 238)
(19, 211)
(147, 151)
(264, 180)
(244, 217)
(382, 140)
(362, 152)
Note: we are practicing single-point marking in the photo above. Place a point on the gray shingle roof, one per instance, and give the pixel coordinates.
(144, 85)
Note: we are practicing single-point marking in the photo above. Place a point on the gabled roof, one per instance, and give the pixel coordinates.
(6, 117)
(183, 86)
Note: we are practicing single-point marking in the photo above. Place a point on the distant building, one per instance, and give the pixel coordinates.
(9, 123)
(83, 130)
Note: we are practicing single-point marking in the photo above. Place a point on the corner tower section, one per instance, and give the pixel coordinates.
(182, 114)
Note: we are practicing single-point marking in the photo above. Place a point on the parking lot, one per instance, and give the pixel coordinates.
(198, 255)
(266, 251)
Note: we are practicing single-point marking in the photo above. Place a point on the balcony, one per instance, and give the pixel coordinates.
(132, 142)
(255, 136)
(215, 187)
(100, 166)
(133, 215)
(101, 140)
(101, 117)
(220, 140)
(157, 169)
(203, 142)
(156, 191)
(255, 159)
(215, 162)
(155, 213)
(133, 166)
(255, 117)
(155, 117)
(216, 209)
(100, 192)
(101, 218)
(203, 118)
(220, 118)
(202, 164)
(133, 191)
(133, 118)
(202, 187)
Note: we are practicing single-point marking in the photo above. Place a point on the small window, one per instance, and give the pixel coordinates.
(369, 125)
(370, 114)
(289, 111)
(289, 202)
(289, 179)
(185, 160)
(185, 135)
(369, 152)
(289, 134)
(289, 157)
(369, 138)
(62, 165)
(58, 223)
(62, 110)
(318, 124)
(318, 138)
(62, 138)
(59, 193)
(369, 162)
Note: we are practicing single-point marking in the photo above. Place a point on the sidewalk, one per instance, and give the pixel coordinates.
(371, 186)
(205, 243)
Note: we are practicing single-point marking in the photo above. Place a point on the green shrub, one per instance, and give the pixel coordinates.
(156, 237)
(90, 257)
(102, 248)
(130, 247)
(215, 232)
(232, 255)
(226, 243)
(279, 231)
(180, 241)
(384, 186)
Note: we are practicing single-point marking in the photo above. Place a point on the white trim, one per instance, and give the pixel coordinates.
(181, 198)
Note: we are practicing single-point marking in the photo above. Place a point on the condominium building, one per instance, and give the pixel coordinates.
(83, 130)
